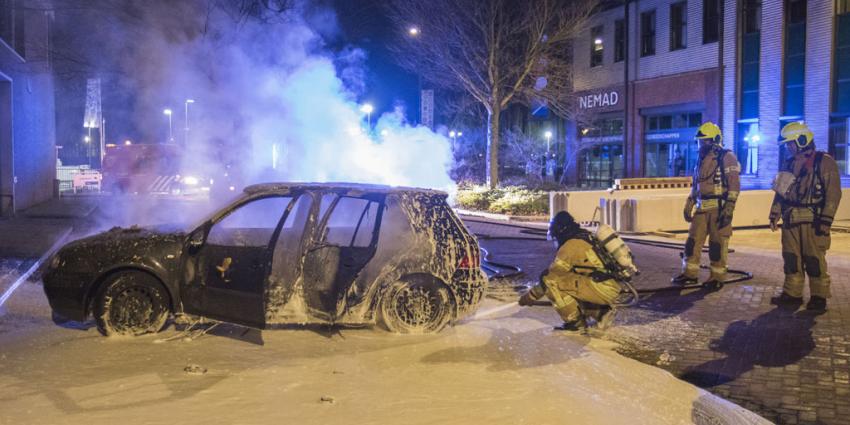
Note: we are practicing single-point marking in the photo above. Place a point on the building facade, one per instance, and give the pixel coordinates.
(655, 69)
(27, 120)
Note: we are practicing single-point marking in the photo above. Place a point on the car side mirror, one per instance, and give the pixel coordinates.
(196, 240)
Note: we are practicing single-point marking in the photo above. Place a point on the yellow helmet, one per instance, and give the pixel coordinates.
(797, 132)
(709, 130)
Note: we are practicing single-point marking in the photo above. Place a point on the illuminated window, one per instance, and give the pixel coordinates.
(669, 145)
(596, 46)
(839, 139)
(839, 143)
(747, 147)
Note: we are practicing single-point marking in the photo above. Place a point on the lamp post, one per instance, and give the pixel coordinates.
(168, 113)
(367, 108)
(454, 135)
(186, 137)
(87, 140)
(414, 32)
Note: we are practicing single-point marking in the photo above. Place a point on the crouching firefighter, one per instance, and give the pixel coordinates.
(807, 195)
(582, 281)
(709, 208)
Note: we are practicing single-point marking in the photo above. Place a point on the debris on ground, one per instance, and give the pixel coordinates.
(194, 369)
(665, 359)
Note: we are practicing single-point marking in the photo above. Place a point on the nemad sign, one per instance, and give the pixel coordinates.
(597, 100)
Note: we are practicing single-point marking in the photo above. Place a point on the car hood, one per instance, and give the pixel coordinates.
(152, 247)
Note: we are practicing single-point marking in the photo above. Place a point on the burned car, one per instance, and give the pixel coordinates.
(281, 253)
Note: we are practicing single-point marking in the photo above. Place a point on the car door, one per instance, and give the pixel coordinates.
(287, 264)
(231, 266)
(345, 242)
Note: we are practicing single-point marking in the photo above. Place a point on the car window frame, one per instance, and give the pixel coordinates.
(371, 197)
(225, 212)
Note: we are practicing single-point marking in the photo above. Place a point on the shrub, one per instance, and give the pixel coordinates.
(512, 200)
(473, 198)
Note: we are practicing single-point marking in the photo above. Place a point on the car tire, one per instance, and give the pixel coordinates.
(416, 306)
(131, 304)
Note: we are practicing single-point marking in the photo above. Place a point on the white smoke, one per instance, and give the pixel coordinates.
(272, 100)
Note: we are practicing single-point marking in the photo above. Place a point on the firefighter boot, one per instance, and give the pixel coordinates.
(682, 280)
(576, 326)
(606, 317)
(816, 303)
(713, 284)
(787, 300)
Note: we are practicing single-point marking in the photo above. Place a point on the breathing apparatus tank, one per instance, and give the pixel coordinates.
(782, 183)
(615, 253)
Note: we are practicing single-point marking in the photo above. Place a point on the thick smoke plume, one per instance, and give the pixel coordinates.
(271, 100)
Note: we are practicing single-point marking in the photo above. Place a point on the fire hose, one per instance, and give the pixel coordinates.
(492, 268)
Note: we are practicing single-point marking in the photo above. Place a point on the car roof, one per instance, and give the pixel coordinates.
(334, 186)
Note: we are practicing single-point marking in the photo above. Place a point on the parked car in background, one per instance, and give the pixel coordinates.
(281, 253)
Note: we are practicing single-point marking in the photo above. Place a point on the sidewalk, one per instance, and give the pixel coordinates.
(32, 232)
(788, 365)
(30, 237)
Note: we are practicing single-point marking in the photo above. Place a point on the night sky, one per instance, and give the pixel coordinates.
(364, 24)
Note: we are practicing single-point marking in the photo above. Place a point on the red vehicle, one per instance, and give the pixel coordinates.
(150, 169)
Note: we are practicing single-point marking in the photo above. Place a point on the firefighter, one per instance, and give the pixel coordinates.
(808, 192)
(709, 208)
(576, 282)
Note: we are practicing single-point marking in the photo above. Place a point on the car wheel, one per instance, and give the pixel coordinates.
(416, 307)
(131, 303)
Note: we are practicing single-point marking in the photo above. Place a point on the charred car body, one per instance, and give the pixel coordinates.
(281, 253)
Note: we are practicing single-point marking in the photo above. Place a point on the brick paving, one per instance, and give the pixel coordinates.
(787, 364)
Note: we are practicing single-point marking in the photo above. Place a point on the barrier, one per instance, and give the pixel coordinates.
(661, 210)
(652, 183)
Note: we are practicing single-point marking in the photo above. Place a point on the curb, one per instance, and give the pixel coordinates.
(502, 217)
(23, 278)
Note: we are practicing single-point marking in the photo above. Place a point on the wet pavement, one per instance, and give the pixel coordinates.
(787, 364)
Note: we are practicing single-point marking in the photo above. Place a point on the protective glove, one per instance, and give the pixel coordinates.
(822, 229)
(689, 209)
(526, 299)
(542, 275)
(725, 217)
(774, 220)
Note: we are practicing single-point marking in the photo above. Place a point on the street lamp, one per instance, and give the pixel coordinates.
(414, 32)
(167, 112)
(367, 109)
(548, 135)
(186, 104)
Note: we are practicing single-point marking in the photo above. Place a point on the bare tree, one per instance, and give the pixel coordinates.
(498, 51)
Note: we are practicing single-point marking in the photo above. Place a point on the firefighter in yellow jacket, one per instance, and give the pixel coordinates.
(808, 191)
(576, 282)
(709, 208)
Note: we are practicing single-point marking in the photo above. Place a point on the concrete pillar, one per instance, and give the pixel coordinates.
(818, 85)
(7, 151)
(730, 71)
(770, 91)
